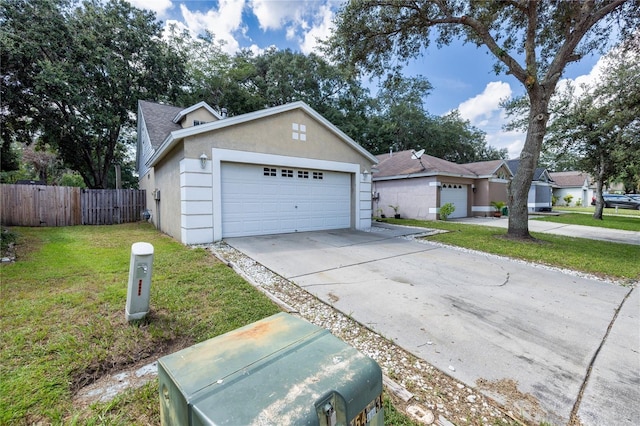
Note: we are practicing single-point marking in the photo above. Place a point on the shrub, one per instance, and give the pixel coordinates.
(567, 199)
(446, 210)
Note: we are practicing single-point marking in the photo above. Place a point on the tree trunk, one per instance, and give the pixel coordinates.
(521, 182)
(597, 214)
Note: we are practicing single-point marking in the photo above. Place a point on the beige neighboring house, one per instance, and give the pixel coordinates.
(577, 184)
(278, 170)
(420, 186)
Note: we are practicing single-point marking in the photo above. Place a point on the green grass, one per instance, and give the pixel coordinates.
(617, 261)
(63, 324)
(609, 221)
(63, 318)
(591, 209)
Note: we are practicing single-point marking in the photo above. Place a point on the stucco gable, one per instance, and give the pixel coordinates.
(200, 112)
(211, 128)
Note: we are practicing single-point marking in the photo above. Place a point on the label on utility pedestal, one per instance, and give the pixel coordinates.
(139, 281)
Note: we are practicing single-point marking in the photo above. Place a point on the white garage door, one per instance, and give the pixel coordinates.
(260, 200)
(455, 194)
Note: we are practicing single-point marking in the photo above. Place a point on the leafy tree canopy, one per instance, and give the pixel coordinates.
(73, 73)
(531, 40)
(601, 127)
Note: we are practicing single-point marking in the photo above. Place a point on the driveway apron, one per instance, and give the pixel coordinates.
(509, 329)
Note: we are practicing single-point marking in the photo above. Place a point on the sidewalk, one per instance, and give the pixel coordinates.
(578, 231)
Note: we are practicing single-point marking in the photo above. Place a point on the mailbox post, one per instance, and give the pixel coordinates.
(139, 287)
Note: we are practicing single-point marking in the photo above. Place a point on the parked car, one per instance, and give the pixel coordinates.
(620, 201)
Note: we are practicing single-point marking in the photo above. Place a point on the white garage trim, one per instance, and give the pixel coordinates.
(196, 195)
(219, 156)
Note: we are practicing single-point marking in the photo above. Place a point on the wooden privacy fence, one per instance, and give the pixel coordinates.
(39, 205)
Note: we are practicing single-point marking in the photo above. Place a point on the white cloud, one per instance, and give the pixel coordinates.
(320, 30)
(484, 112)
(588, 80)
(487, 104)
(272, 15)
(303, 21)
(160, 7)
(223, 22)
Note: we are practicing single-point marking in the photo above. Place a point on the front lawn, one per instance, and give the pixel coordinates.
(617, 261)
(609, 221)
(63, 322)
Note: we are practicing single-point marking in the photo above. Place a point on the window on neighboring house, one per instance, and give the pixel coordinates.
(267, 171)
(198, 122)
(299, 132)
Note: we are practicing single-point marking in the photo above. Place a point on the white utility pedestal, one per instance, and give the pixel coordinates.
(139, 281)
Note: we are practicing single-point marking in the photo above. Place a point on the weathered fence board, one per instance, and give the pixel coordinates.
(39, 205)
(109, 206)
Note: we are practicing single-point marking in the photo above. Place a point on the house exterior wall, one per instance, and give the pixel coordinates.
(579, 194)
(167, 180)
(539, 198)
(196, 202)
(275, 135)
(148, 183)
(190, 204)
(488, 190)
(417, 198)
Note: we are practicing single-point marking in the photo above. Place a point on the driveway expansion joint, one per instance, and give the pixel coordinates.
(585, 382)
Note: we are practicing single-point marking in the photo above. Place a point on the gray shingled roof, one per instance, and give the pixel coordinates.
(484, 168)
(569, 179)
(159, 120)
(401, 163)
(515, 164)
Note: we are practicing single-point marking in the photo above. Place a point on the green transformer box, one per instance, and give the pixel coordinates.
(281, 370)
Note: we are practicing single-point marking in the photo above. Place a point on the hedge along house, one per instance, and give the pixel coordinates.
(278, 170)
(420, 186)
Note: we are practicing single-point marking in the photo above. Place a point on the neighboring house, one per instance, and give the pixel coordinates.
(539, 199)
(278, 170)
(419, 187)
(576, 184)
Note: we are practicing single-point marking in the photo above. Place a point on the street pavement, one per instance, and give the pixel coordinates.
(489, 322)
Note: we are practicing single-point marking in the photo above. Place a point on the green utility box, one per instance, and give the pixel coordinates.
(281, 370)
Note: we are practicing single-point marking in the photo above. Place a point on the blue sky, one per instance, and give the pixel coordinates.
(462, 75)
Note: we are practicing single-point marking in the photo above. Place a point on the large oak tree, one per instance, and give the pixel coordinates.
(531, 40)
(72, 74)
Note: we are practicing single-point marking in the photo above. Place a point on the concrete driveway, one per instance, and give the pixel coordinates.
(537, 339)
